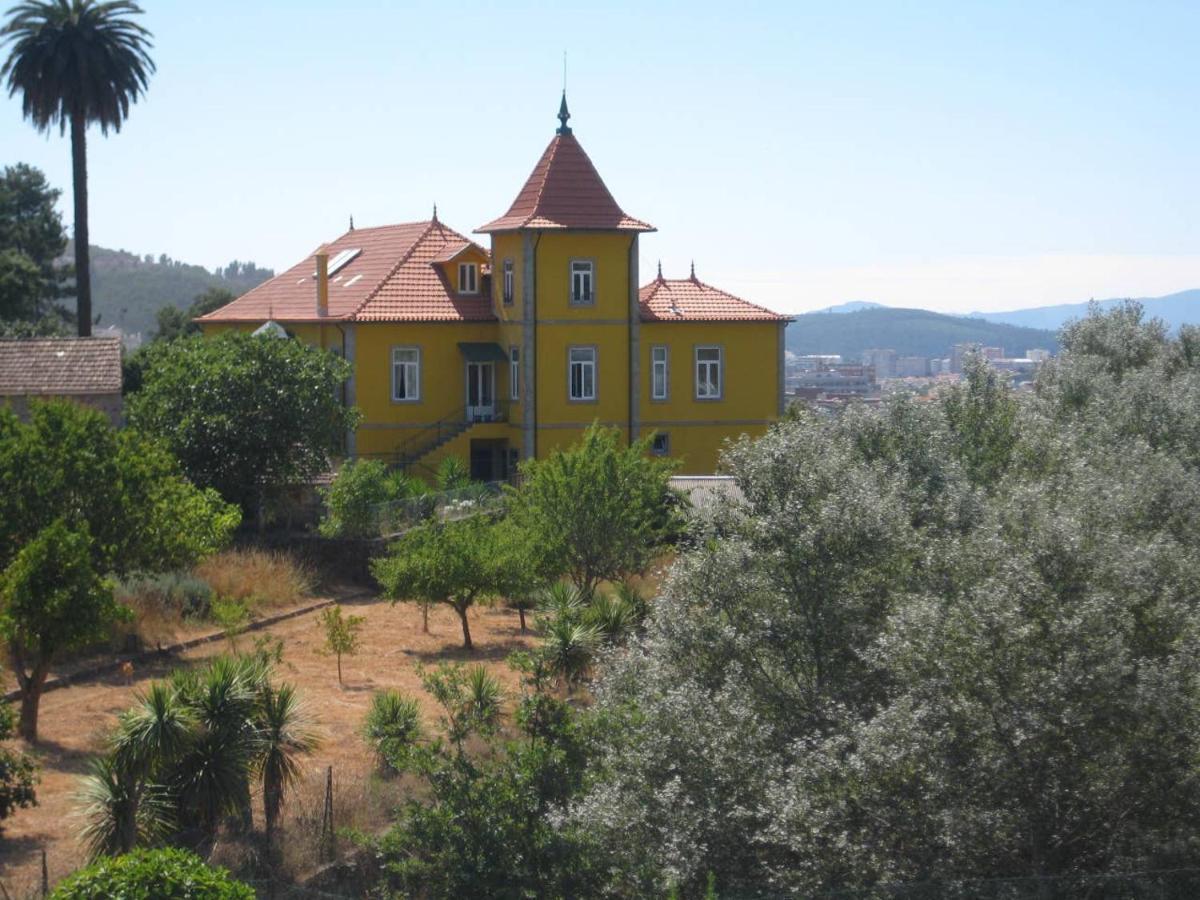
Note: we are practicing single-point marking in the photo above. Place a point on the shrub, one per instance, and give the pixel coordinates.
(152, 875)
(258, 577)
(392, 727)
(179, 594)
(352, 499)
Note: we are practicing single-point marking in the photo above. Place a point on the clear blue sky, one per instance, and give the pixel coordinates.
(956, 155)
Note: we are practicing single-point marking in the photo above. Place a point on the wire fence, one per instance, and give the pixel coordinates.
(397, 516)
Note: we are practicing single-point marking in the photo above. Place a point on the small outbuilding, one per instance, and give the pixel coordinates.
(86, 370)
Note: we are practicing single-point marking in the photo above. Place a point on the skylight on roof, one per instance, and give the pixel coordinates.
(341, 260)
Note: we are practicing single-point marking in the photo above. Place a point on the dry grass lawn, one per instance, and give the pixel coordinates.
(74, 720)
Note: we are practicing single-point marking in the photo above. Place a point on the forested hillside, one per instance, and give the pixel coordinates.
(910, 332)
(128, 290)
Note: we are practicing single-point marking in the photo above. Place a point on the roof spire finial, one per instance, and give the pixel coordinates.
(563, 114)
(660, 270)
(693, 275)
(435, 218)
(351, 221)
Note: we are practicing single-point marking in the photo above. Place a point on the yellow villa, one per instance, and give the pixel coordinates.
(502, 353)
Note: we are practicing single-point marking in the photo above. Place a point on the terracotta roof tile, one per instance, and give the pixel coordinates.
(394, 278)
(691, 300)
(419, 291)
(565, 191)
(60, 366)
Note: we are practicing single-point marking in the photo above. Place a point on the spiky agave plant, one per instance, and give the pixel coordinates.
(611, 616)
(286, 735)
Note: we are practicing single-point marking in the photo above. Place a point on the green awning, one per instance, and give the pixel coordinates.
(482, 352)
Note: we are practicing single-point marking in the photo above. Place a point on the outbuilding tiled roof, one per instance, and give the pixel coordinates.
(395, 277)
(691, 300)
(565, 191)
(60, 366)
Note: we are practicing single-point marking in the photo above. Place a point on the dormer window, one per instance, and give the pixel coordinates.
(468, 278)
(583, 275)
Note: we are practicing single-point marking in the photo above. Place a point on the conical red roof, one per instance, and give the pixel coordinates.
(565, 191)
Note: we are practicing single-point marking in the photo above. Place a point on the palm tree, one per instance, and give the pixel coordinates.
(286, 736)
(77, 62)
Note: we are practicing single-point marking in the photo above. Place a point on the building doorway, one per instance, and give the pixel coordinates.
(489, 460)
(481, 391)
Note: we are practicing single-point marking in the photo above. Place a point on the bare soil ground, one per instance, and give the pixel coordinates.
(75, 719)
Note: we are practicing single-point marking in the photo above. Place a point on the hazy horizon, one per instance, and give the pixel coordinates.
(957, 158)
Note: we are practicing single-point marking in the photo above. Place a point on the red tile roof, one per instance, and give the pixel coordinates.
(394, 278)
(691, 300)
(565, 191)
(60, 366)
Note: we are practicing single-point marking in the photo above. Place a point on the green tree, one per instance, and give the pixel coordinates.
(598, 510)
(33, 239)
(51, 601)
(162, 874)
(341, 634)
(76, 63)
(18, 771)
(353, 498)
(68, 462)
(458, 563)
(244, 414)
(174, 322)
(125, 505)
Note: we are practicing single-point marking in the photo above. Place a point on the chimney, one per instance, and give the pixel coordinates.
(322, 282)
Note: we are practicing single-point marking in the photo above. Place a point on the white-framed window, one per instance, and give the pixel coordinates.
(658, 372)
(583, 282)
(468, 278)
(581, 374)
(406, 374)
(514, 374)
(507, 290)
(661, 444)
(709, 374)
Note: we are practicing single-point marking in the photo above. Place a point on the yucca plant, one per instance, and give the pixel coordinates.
(392, 727)
(119, 810)
(285, 735)
(568, 648)
(611, 616)
(561, 600)
(213, 776)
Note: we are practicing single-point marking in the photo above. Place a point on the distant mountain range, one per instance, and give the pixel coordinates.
(910, 332)
(1175, 309)
(128, 290)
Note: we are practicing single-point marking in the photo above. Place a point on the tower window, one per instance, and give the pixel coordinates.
(508, 281)
(661, 445)
(583, 274)
(581, 374)
(658, 372)
(709, 374)
(514, 374)
(468, 278)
